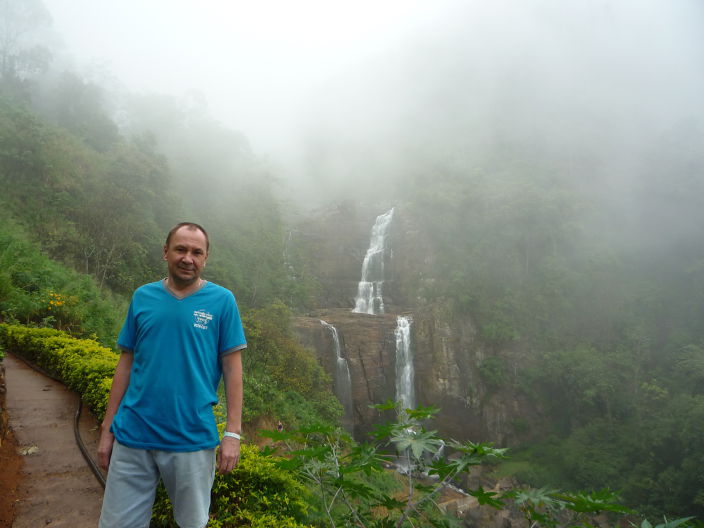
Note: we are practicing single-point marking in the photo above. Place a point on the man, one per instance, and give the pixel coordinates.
(180, 336)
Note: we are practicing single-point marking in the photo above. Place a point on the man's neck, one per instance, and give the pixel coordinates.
(182, 289)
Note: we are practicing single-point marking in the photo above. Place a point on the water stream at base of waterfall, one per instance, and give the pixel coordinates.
(405, 391)
(343, 380)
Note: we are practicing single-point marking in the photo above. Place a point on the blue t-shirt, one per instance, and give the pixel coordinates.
(177, 346)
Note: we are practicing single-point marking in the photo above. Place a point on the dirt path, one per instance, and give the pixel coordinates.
(55, 488)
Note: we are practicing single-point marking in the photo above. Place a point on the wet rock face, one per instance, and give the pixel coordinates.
(444, 362)
(368, 344)
(446, 359)
(337, 240)
(446, 350)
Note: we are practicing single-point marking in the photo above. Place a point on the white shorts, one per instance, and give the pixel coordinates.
(133, 476)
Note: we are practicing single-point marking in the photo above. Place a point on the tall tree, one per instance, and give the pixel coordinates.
(21, 52)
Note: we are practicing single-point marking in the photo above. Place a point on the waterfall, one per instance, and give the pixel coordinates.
(343, 380)
(369, 299)
(440, 452)
(405, 393)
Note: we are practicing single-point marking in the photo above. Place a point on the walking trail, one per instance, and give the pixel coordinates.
(54, 486)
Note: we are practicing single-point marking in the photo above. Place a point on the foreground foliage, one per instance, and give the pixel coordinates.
(339, 473)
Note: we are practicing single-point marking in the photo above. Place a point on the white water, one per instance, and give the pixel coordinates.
(440, 452)
(369, 298)
(343, 380)
(405, 392)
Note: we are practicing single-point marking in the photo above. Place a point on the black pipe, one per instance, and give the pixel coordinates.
(84, 451)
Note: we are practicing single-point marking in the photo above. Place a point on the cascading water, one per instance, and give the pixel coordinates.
(405, 393)
(369, 299)
(343, 380)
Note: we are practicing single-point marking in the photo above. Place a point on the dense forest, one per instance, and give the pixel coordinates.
(606, 325)
(580, 259)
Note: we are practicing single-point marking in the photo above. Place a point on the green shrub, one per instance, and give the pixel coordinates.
(492, 371)
(263, 396)
(83, 365)
(36, 290)
(499, 332)
(284, 380)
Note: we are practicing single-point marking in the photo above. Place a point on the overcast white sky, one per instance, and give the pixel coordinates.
(254, 61)
(344, 81)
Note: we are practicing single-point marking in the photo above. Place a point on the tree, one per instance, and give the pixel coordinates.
(79, 106)
(20, 52)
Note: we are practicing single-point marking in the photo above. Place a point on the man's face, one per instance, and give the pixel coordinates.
(186, 255)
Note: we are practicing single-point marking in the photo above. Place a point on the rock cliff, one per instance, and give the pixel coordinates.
(447, 351)
(368, 344)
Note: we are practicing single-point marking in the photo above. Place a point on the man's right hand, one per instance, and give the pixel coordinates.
(107, 439)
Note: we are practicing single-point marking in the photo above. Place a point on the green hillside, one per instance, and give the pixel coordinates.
(579, 258)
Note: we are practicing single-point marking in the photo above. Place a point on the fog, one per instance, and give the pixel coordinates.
(563, 78)
(254, 62)
(341, 97)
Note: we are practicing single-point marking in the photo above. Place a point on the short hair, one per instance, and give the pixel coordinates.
(193, 227)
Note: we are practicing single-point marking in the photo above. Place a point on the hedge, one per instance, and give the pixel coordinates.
(84, 365)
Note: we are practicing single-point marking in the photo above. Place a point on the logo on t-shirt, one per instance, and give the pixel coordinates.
(201, 319)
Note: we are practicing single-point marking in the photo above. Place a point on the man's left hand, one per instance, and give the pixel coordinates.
(228, 454)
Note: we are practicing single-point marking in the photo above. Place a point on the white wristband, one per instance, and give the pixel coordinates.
(233, 435)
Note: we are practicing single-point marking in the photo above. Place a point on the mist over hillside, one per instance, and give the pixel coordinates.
(593, 89)
(347, 104)
(545, 159)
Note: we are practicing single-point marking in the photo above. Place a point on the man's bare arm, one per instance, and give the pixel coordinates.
(229, 453)
(120, 381)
